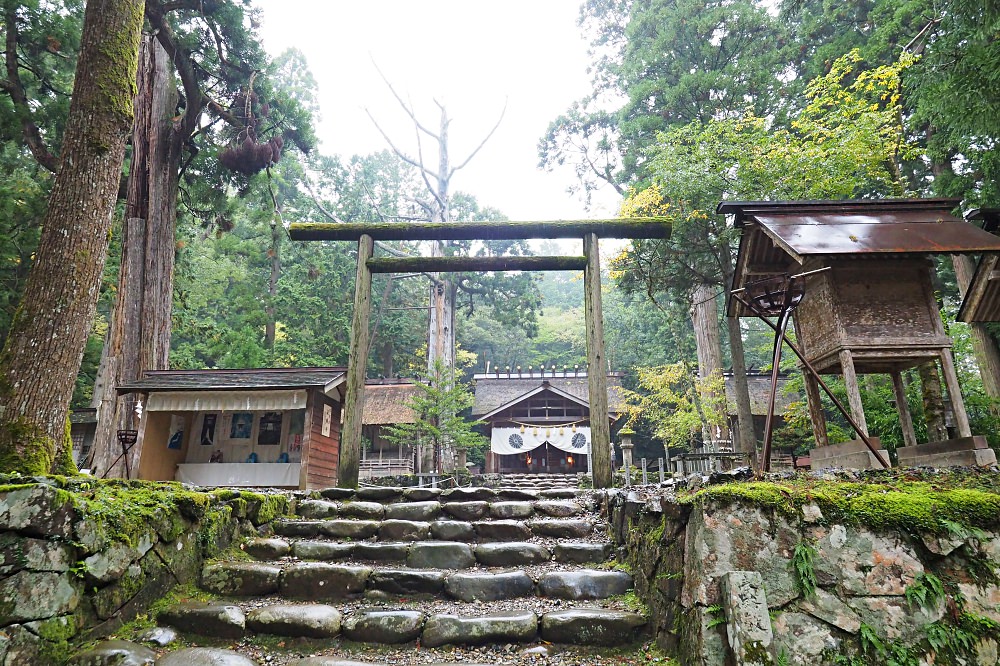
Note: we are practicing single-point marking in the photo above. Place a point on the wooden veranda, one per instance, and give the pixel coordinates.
(365, 234)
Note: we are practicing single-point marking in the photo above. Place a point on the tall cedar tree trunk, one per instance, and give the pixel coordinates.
(984, 345)
(139, 334)
(708, 344)
(746, 439)
(930, 382)
(41, 358)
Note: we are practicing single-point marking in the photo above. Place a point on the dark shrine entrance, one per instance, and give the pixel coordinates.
(365, 234)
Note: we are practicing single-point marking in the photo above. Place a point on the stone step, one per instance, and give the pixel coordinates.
(577, 626)
(522, 490)
(431, 509)
(315, 581)
(490, 554)
(464, 529)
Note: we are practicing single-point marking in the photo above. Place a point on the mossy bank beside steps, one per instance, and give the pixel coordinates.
(419, 571)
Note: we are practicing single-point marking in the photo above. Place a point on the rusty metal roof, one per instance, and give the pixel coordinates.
(778, 236)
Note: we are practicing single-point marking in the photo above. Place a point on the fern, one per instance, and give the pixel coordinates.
(718, 617)
(805, 574)
(872, 646)
(926, 591)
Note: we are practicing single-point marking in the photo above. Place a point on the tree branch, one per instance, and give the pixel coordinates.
(407, 109)
(483, 142)
(15, 88)
(195, 99)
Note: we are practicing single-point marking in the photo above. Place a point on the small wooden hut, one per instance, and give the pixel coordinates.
(538, 421)
(387, 402)
(264, 427)
(869, 303)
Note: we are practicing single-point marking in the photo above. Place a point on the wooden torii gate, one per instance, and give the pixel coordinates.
(368, 232)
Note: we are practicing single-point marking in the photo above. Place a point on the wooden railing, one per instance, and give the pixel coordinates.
(385, 467)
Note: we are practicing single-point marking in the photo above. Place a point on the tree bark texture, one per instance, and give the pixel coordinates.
(746, 436)
(930, 383)
(708, 344)
(984, 345)
(42, 355)
(139, 333)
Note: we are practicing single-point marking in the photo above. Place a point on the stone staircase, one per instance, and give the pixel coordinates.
(523, 565)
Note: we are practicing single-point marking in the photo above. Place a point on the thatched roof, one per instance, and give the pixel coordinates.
(387, 403)
(494, 392)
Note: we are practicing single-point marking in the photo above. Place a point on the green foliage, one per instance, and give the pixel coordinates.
(677, 403)
(926, 591)
(716, 612)
(438, 405)
(802, 564)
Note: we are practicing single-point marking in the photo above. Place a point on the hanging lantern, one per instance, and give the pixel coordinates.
(561, 430)
(535, 432)
(548, 433)
(522, 429)
(574, 427)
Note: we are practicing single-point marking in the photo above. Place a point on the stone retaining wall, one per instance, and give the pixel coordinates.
(734, 582)
(79, 557)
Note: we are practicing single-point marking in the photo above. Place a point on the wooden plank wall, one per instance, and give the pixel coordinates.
(322, 457)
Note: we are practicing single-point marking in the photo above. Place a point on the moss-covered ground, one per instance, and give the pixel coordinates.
(914, 500)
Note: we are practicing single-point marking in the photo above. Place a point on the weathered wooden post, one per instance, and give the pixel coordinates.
(597, 379)
(350, 437)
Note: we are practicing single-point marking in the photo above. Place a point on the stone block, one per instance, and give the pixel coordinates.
(242, 579)
(588, 626)
(489, 587)
(453, 530)
(40, 511)
(18, 553)
(300, 620)
(268, 549)
(829, 608)
(511, 554)
(501, 530)
(207, 619)
(802, 638)
(363, 510)
(420, 511)
(384, 626)
(440, 555)
(508, 510)
(318, 580)
(961, 452)
(403, 530)
(581, 552)
(405, 582)
(317, 509)
(29, 595)
(512, 627)
(848, 455)
(119, 653)
(723, 538)
(584, 584)
(322, 550)
(748, 624)
(201, 656)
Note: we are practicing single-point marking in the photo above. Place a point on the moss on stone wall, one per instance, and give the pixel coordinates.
(907, 501)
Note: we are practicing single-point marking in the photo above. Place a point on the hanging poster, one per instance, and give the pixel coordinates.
(269, 432)
(176, 440)
(242, 424)
(327, 420)
(208, 429)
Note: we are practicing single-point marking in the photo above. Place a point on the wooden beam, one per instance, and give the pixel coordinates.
(350, 437)
(624, 227)
(474, 264)
(853, 390)
(955, 394)
(816, 415)
(597, 372)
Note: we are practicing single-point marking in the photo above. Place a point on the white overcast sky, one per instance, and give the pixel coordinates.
(471, 55)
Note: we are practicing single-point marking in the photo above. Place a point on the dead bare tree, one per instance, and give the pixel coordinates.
(437, 179)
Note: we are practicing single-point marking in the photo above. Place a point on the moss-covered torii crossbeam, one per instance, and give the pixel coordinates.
(366, 233)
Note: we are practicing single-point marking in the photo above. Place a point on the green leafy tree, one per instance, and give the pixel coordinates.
(439, 403)
(671, 399)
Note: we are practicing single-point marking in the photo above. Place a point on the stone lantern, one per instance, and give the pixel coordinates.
(626, 443)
